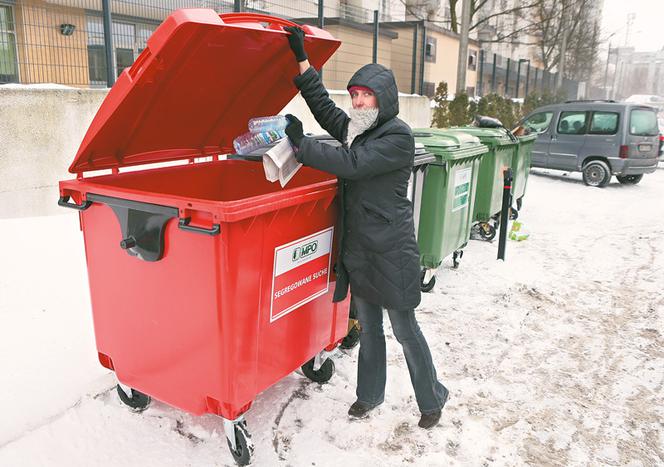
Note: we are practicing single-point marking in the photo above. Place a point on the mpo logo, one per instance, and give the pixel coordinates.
(305, 250)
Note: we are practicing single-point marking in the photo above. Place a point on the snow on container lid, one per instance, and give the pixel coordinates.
(193, 89)
(445, 138)
(493, 136)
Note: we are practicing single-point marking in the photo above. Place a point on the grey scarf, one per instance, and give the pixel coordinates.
(361, 120)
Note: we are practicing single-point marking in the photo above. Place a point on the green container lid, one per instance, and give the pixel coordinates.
(449, 144)
(527, 138)
(490, 136)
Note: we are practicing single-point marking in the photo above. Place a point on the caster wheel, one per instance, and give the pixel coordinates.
(514, 214)
(456, 258)
(244, 447)
(487, 231)
(322, 375)
(138, 401)
(428, 286)
(352, 338)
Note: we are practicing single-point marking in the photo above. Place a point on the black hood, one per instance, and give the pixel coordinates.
(381, 81)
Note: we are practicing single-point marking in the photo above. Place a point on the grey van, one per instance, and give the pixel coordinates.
(597, 138)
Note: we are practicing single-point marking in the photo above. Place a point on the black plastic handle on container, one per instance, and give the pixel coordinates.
(79, 207)
(184, 225)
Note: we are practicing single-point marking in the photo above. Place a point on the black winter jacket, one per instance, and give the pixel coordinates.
(378, 252)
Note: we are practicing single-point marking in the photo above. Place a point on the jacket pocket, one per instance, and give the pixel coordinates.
(376, 212)
(375, 228)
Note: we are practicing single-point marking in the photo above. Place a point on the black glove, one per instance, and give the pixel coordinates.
(294, 130)
(296, 42)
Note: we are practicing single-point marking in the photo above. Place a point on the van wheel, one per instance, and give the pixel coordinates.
(596, 173)
(629, 179)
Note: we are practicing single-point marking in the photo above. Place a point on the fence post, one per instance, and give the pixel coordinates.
(480, 85)
(108, 42)
(527, 80)
(518, 78)
(493, 74)
(424, 51)
(237, 6)
(507, 78)
(375, 37)
(414, 70)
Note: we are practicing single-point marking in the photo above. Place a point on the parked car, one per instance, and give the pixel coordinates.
(597, 138)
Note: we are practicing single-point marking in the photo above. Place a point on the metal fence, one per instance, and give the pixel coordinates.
(87, 43)
(518, 78)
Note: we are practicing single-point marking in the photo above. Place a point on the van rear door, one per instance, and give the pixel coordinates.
(642, 134)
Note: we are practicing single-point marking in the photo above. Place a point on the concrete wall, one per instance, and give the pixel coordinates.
(41, 129)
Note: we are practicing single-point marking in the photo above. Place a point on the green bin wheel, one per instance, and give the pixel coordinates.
(427, 287)
(244, 447)
(487, 231)
(322, 375)
(138, 401)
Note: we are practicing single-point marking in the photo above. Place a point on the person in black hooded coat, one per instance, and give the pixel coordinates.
(378, 254)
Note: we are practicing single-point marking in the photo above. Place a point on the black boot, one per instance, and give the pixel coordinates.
(431, 419)
(360, 410)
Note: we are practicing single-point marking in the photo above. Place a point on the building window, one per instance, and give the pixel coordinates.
(385, 13)
(129, 40)
(430, 50)
(8, 62)
(472, 60)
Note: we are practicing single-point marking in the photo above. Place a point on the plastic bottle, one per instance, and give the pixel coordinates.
(274, 123)
(249, 142)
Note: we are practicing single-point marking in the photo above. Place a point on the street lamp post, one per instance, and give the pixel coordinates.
(606, 72)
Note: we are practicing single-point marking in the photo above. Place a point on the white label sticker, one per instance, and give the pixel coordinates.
(462, 179)
(301, 272)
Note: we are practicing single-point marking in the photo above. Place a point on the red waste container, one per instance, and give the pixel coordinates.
(208, 284)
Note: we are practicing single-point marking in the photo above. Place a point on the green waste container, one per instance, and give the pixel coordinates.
(448, 196)
(521, 167)
(503, 153)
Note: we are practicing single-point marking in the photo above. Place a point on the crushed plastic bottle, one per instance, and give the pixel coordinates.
(247, 143)
(273, 123)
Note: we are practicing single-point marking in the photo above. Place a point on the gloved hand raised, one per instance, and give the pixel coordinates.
(294, 130)
(296, 42)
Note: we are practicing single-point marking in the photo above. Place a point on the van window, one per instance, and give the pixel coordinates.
(572, 123)
(538, 122)
(604, 123)
(643, 123)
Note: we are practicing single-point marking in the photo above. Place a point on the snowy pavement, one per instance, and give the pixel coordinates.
(555, 357)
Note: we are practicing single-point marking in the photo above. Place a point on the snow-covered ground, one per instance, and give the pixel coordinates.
(554, 357)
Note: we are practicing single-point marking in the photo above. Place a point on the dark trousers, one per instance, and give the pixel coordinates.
(372, 364)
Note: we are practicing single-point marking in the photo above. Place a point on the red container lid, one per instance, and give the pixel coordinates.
(194, 88)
